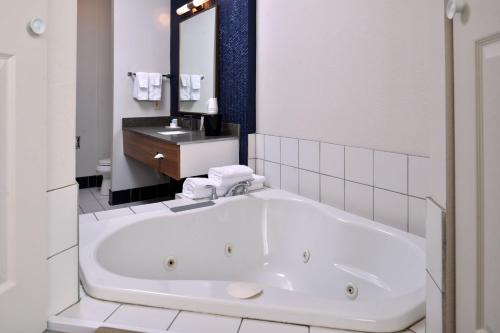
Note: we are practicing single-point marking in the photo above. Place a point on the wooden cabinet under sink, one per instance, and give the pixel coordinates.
(180, 161)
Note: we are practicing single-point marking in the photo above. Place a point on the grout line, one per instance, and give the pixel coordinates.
(298, 166)
(281, 185)
(373, 179)
(62, 187)
(319, 168)
(104, 208)
(239, 327)
(408, 190)
(344, 180)
(112, 313)
(92, 193)
(60, 252)
(175, 318)
(264, 152)
(434, 281)
(66, 308)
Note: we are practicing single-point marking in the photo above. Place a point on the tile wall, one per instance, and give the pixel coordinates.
(62, 253)
(387, 187)
(62, 191)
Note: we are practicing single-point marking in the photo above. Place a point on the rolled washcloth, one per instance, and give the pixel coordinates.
(229, 175)
(196, 188)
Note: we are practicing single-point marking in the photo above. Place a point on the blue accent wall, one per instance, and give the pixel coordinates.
(236, 64)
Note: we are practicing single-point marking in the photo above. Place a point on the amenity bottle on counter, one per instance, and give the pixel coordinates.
(213, 124)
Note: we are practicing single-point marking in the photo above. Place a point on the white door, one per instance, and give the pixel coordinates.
(476, 34)
(23, 225)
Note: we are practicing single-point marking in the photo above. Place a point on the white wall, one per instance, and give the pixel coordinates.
(94, 99)
(141, 43)
(354, 72)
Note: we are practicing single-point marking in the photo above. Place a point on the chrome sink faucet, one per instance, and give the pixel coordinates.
(238, 189)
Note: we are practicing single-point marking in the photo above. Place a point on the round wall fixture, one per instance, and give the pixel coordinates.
(351, 291)
(169, 263)
(37, 26)
(228, 249)
(453, 7)
(306, 256)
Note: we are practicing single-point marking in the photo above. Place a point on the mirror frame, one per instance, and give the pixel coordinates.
(207, 6)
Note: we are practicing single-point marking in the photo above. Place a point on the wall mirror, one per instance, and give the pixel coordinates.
(197, 61)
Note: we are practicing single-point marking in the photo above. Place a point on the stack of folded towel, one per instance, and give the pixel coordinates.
(222, 178)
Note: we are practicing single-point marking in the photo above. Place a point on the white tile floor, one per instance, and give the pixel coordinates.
(90, 314)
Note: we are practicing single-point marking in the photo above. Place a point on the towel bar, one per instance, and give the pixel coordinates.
(165, 76)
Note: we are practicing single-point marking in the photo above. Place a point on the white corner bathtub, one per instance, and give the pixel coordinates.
(302, 253)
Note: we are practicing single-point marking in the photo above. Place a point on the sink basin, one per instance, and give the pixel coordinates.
(172, 132)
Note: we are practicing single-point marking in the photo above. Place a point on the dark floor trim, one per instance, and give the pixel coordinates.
(89, 181)
(167, 190)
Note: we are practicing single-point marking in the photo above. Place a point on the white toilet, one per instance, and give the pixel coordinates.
(104, 169)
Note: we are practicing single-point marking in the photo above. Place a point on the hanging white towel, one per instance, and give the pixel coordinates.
(185, 87)
(196, 87)
(155, 82)
(141, 86)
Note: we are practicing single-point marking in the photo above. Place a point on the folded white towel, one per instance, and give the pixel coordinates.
(230, 171)
(196, 188)
(230, 175)
(155, 83)
(185, 87)
(195, 87)
(141, 86)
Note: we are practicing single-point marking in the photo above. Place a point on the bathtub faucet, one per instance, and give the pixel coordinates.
(213, 195)
(238, 189)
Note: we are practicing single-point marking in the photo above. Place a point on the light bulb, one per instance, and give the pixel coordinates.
(182, 10)
(197, 3)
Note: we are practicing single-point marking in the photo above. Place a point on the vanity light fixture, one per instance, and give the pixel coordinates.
(189, 6)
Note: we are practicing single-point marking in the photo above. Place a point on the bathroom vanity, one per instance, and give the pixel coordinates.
(181, 152)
